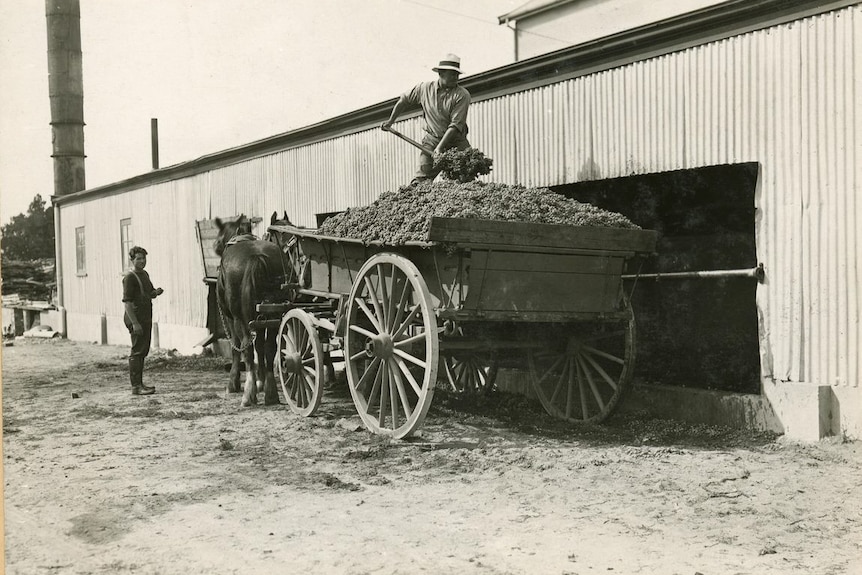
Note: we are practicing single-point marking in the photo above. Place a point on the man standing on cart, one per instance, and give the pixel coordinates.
(444, 106)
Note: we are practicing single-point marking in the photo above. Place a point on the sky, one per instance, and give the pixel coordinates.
(220, 73)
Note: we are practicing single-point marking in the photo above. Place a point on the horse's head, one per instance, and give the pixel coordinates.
(284, 221)
(229, 230)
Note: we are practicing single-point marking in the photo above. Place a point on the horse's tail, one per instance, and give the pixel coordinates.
(253, 284)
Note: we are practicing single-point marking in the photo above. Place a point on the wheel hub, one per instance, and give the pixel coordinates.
(292, 362)
(380, 346)
(573, 347)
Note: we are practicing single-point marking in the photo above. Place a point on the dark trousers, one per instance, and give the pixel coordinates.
(140, 349)
(426, 162)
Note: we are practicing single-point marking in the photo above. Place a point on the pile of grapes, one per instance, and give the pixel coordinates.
(463, 165)
(402, 216)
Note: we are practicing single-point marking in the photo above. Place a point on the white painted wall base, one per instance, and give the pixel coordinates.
(803, 408)
(846, 409)
(83, 327)
(183, 339)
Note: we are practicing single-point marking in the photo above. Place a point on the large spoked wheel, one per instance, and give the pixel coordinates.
(583, 377)
(300, 362)
(470, 373)
(391, 345)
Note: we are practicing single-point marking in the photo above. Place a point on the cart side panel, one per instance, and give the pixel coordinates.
(445, 273)
(465, 231)
(516, 281)
(333, 265)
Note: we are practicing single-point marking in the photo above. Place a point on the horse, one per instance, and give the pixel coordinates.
(251, 271)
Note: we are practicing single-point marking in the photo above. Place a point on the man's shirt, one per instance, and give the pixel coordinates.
(138, 289)
(443, 107)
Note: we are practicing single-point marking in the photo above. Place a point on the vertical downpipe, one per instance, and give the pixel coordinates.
(154, 141)
(66, 94)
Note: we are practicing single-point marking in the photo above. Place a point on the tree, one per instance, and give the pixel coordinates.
(29, 236)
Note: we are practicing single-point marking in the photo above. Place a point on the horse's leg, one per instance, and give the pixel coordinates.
(270, 390)
(260, 358)
(328, 371)
(249, 396)
(236, 359)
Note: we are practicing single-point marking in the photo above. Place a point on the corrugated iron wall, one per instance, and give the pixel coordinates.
(784, 96)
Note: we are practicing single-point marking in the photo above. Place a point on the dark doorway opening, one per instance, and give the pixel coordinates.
(698, 333)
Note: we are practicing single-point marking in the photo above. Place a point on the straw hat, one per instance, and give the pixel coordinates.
(450, 62)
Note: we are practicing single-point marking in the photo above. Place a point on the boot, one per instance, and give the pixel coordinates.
(136, 375)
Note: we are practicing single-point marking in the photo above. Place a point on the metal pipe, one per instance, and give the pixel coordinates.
(58, 271)
(154, 141)
(757, 273)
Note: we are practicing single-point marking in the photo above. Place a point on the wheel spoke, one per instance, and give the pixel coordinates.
(290, 334)
(417, 309)
(406, 291)
(413, 338)
(402, 393)
(605, 355)
(606, 335)
(450, 375)
(369, 372)
(593, 387)
(390, 311)
(362, 330)
(359, 354)
(415, 360)
(562, 378)
(384, 394)
(463, 376)
(570, 388)
(552, 368)
(583, 395)
(393, 392)
(375, 389)
(601, 371)
(301, 397)
(368, 313)
(410, 379)
(375, 301)
(384, 296)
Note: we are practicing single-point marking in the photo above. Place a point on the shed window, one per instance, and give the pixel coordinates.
(125, 241)
(80, 251)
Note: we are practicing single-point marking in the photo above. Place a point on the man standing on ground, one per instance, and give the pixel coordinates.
(444, 106)
(138, 296)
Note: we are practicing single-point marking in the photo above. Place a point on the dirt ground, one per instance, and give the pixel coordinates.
(188, 482)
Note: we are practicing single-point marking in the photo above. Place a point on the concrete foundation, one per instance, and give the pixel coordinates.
(800, 411)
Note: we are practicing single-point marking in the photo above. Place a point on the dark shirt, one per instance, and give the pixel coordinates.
(142, 300)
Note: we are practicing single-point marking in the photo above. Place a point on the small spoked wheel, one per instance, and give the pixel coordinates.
(470, 373)
(583, 377)
(391, 345)
(300, 362)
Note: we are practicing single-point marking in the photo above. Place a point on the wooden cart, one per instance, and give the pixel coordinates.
(478, 295)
